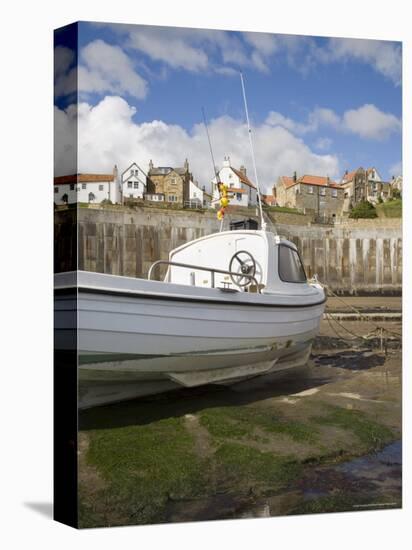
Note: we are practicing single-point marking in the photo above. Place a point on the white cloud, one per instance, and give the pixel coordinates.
(170, 45)
(384, 57)
(371, 123)
(367, 122)
(65, 75)
(320, 116)
(105, 68)
(323, 143)
(108, 135)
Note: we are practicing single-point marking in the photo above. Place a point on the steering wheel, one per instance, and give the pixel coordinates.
(242, 262)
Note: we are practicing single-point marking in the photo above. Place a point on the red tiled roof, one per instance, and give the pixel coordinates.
(287, 181)
(349, 176)
(309, 180)
(269, 199)
(82, 178)
(236, 190)
(243, 178)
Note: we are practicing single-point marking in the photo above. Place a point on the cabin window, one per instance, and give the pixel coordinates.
(238, 196)
(83, 186)
(72, 187)
(136, 185)
(129, 184)
(290, 266)
(56, 189)
(334, 193)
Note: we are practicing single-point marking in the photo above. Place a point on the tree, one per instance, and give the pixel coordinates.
(364, 209)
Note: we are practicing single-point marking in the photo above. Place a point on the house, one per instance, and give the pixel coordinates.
(195, 195)
(133, 183)
(87, 188)
(316, 195)
(168, 184)
(270, 200)
(364, 185)
(242, 191)
(207, 199)
(396, 183)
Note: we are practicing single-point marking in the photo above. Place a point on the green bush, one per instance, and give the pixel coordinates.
(363, 210)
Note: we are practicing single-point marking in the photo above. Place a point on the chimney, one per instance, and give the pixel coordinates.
(186, 165)
(226, 161)
(295, 176)
(327, 180)
(243, 170)
(150, 165)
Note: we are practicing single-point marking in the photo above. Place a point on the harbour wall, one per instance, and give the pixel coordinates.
(354, 257)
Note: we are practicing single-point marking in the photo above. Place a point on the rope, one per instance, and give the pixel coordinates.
(355, 336)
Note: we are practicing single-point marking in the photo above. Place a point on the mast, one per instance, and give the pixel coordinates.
(215, 170)
(262, 222)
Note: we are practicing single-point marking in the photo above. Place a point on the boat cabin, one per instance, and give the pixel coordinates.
(252, 261)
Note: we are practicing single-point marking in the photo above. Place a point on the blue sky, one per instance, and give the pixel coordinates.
(317, 105)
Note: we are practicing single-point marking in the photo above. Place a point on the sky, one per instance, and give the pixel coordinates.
(316, 105)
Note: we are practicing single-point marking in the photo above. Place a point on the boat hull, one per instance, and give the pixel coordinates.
(154, 338)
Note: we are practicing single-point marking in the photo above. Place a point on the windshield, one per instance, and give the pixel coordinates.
(290, 267)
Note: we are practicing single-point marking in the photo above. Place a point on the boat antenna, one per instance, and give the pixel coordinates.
(215, 170)
(262, 221)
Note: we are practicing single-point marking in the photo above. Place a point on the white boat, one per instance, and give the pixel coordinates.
(232, 305)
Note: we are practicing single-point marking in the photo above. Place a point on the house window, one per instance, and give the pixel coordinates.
(101, 187)
(323, 191)
(129, 184)
(130, 195)
(238, 196)
(310, 189)
(56, 189)
(230, 176)
(172, 198)
(83, 186)
(136, 185)
(173, 181)
(334, 193)
(72, 187)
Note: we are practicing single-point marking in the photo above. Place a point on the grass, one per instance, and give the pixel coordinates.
(144, 466)
(286, 209)
(243, 468)
(373, 436)
(239, 422)
(390, 209)
(146, 459)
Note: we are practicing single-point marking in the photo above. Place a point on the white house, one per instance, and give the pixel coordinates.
(88, 188)
(242, 192)
(196, 195)
(133, 182)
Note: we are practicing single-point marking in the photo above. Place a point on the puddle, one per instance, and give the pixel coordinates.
(350, 360)
(372, 482)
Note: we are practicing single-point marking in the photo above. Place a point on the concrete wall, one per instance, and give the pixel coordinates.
(362, 256)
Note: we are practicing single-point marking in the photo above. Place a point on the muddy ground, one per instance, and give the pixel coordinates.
(275, 445)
